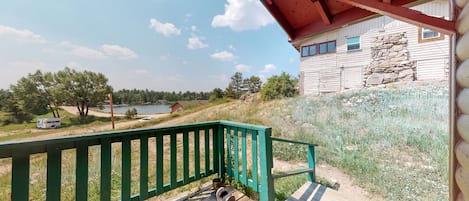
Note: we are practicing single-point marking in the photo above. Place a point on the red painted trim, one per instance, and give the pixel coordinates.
(274, 11)
(387, 1)
(323, 11)
(405, 14)
(348, 17)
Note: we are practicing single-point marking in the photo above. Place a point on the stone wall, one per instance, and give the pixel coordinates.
(389, 61)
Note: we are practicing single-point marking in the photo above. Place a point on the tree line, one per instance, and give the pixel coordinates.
(39, 93)
(277, 86)
(139, 96)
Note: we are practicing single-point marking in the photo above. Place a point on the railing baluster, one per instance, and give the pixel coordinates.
(254, 167)
(105, 188)
(228, 150)
(207, 151)
(173, 160)
(159, 163)
(236, 154)
(197, 154)
(126, 166)
(244, 159)
(20, 176)
(143, 167)
(54, 170)
(311, 163)
(81, 192)
(185, 150)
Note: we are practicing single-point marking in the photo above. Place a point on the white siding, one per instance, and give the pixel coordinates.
(351, 77)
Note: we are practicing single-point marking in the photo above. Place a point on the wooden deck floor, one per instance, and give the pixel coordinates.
(316, 192)
(206, 193)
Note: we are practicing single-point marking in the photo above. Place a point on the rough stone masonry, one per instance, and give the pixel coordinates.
(389, 61)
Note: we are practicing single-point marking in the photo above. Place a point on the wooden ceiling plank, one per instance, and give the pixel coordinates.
(340, 19)
(323, 11)
(405, 14)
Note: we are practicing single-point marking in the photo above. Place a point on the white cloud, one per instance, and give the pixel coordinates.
(118, 51)
(82, 51)
(195, 42)
(167, 29)
(242, 68)
(193, 28)
(141, 72)
(232, 47)
(223, 56)
(292, 59)
(243, 15)
(105, 51)
(21, 35)
(76, 66)
(268, 68)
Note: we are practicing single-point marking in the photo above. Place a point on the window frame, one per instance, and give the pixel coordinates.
(316, 47)
(359, 44)
(421, 38)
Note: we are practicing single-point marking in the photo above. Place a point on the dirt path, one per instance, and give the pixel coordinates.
(332, 174)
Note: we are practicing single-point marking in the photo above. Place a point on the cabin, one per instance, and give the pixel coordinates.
(323, 23)
(180, 104)
(377, 51)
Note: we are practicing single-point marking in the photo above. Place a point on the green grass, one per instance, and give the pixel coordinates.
(392, 141)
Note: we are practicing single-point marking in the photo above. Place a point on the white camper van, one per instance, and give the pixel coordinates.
(48, 123)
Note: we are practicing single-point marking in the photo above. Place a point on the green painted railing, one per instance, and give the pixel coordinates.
(311, 170)
(242, 151)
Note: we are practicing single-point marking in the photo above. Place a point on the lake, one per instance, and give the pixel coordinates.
(141, 109)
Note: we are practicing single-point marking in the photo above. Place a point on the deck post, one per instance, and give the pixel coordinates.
(219, 136)
(266, 191)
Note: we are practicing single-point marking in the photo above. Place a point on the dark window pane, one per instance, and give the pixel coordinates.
(353, 47)
(331, 46)
(353, 43)
(322, 48)
(312, 50)
(304, 51)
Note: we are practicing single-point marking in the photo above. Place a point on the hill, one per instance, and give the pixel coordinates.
(392, 141)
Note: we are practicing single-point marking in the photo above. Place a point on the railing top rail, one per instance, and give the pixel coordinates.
(244, 125)
(68, 142)
(292, 141)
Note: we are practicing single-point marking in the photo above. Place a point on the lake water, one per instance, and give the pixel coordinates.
(141, 109)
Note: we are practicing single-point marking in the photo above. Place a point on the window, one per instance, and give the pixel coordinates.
(305, 51)
(427, 35)
(322, 48)
(327, 47)
(353, 43)
(312, 50)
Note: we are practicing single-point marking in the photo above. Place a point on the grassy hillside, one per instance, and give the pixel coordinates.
(392, 141)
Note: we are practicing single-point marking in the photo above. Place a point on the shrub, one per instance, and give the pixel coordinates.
(279, 86)
(131, 113)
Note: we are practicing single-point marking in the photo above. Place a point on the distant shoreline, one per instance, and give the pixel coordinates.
(98, 113)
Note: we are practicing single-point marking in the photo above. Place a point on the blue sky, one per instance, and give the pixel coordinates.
(169, 45)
